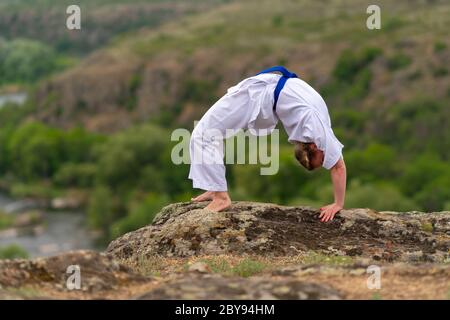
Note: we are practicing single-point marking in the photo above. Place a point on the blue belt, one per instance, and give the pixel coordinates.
(285, 76)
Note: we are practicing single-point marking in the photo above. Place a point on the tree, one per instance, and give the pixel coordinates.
(25, 61)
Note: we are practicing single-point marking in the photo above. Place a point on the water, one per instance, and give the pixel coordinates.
(16, 98)
(61, 231)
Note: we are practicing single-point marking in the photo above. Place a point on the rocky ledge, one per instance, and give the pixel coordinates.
(187, 229)
(251, 251)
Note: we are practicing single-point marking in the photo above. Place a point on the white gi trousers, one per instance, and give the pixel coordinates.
(243, 107)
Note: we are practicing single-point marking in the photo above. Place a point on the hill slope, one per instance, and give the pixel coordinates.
(177, 71)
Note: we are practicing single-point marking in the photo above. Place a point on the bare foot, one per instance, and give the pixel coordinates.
(221, 201)
(208, 195)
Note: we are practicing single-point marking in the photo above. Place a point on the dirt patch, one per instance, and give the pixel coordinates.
(397, 281)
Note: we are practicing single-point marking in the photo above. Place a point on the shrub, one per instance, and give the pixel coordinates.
(381, 196)
(377, 161)
(75, 175)
(25, 61)
(287, 183)
(41, 189)
(439, 46)
(129, 97)
(34, 150)
(101, 208)
(277, 20)
(199, 90)
(440, 72)
(122, 158)
(434, 194)
(350, 64)
(77, 144)
(248, 267)
(13, 251)
(421, 172)
(218, 265)
(315, 257)
(398, 61)
(139, 214)
(6, 220)
(360, 86)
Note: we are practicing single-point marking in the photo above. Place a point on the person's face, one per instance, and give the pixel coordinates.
(317, 160)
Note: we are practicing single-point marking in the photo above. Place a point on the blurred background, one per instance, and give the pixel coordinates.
(86, 115)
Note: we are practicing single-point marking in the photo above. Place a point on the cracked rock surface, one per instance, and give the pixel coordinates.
(186, 229)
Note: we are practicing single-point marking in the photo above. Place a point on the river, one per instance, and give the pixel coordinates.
(61, 231)
(18, 98)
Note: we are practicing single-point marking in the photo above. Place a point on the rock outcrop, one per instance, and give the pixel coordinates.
(251, 251)
(98, 273)
(187, 229)
(216, 287)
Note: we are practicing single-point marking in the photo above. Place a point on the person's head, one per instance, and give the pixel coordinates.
(308, 155)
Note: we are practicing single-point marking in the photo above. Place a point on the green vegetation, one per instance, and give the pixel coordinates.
(244, 268)
(376, 296)
(128, 173)
(398, 61)
(27, 292)
(27, 55)
(21, 19)
(140, 213)
(6, 220)
(427, 227)
(217, 265)
(350, 64)
(131, 176)
(439, 46)
(25, 61)
(34, 150)
(248, 267)
(382, 196)
(352, 75)
(440, 72)
(326, 259)
(13, 251)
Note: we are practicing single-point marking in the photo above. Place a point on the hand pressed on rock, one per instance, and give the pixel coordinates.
(328, 212)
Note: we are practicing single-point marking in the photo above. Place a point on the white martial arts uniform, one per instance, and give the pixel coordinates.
(249, 105)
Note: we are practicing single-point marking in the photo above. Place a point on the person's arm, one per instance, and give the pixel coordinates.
(339, 177)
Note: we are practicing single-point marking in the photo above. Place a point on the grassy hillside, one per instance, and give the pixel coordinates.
(177, 71)
(35, 42)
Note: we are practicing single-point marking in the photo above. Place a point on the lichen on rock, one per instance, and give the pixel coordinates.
(187, 229)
